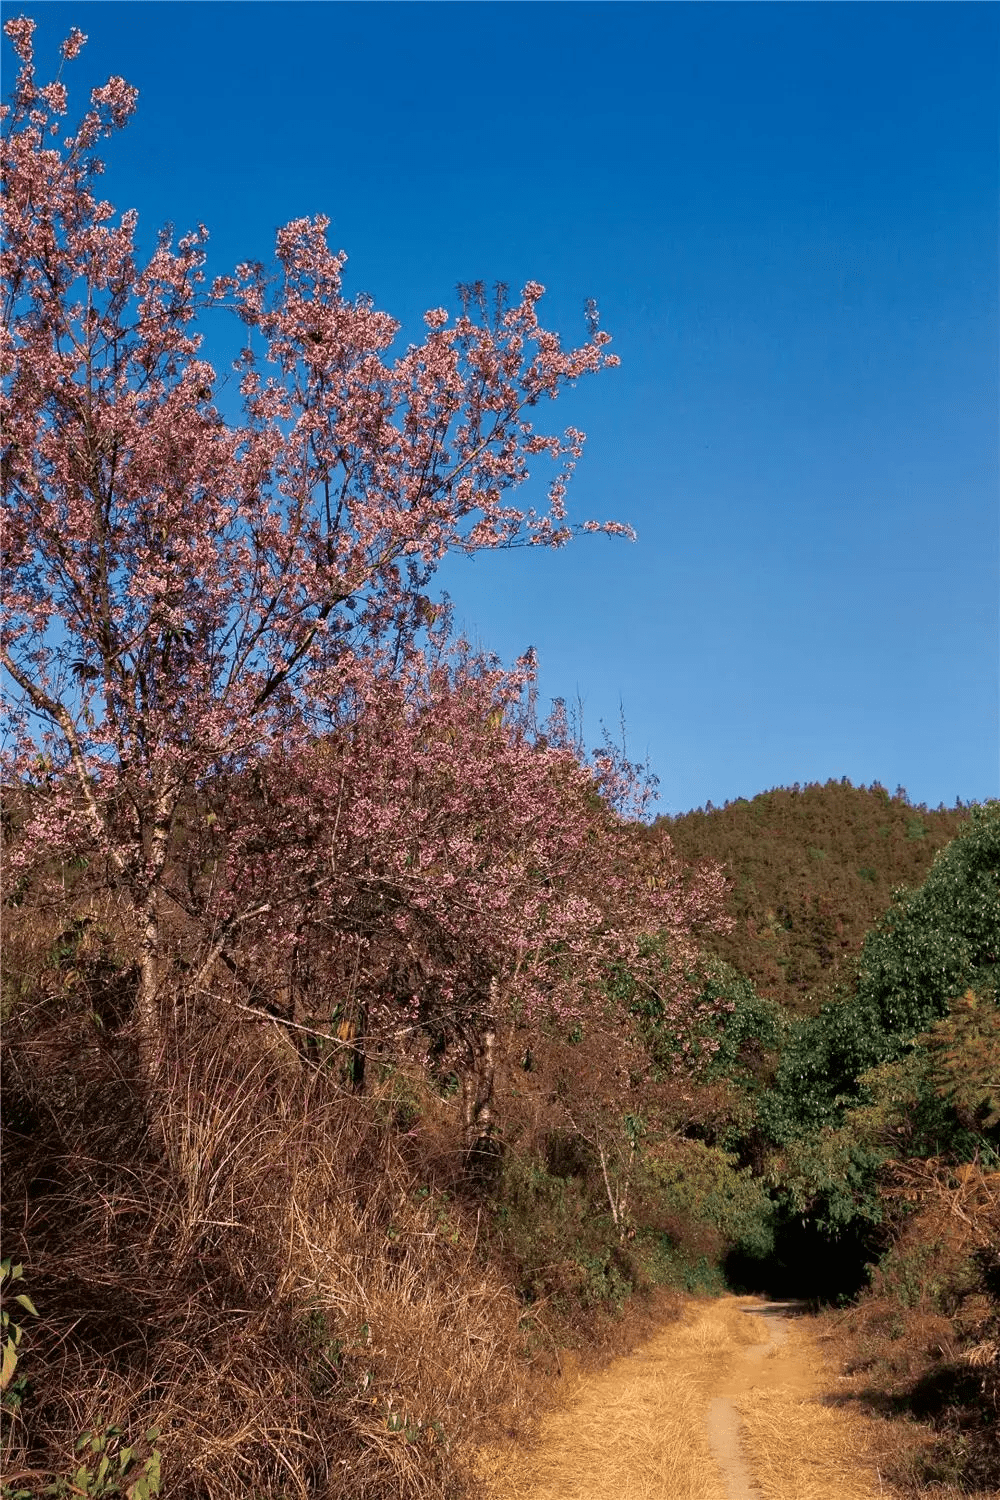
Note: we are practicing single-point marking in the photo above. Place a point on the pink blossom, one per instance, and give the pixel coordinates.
(225, 631)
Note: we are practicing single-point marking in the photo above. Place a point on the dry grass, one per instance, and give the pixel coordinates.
(637, 1430)
(281, 1293)
(800, 1449)
(289, 1281)
(642, 1439)
(922, 1346)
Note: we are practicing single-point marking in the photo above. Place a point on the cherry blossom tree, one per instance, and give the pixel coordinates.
(449, 873)
(225, 676)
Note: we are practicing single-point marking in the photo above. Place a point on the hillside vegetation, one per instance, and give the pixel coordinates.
(315, 1287)
(364, 1046)
(812, 870)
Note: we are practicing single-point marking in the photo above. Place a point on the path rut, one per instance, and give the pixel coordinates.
(752, 1369)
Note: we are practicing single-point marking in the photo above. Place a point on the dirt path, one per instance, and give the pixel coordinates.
(727, 1404)
(770, 1364)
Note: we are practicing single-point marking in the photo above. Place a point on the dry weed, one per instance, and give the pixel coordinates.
(279, 1294)
(803, 1450)
(923, 1341)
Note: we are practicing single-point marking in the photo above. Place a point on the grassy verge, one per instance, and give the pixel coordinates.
(921, 1346)
(279, 1293)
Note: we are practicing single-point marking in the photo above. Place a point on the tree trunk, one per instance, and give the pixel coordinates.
(477, 1091)
(357, 1056)
(148, 1021)
(151, 1040)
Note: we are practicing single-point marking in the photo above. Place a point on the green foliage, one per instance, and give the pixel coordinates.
(606, 1279)
(732, 1032)
(964, 1050)
(643, 998)
(411, 1429)
(106, 1467)
(673, 1266)
(817, 1076)
(941, 939)
(942, 1098)
(692, 1203)
(11, 1333)
(931, 945)
(323, 1351)
(830, 1178)
(905, 1116)
(748, 1031)
(687, 1187)
(813, 869)
(556, 1233)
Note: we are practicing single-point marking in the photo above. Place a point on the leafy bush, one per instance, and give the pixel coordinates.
(941, 939)
(748, 1031)
(704, 1201)
(11, 1391)
(552, 1231)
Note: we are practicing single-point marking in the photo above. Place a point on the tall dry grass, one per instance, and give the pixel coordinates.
(284, 1291)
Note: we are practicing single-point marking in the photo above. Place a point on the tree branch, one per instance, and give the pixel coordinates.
(59, 714)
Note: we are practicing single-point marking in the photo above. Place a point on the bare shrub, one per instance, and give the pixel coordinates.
(924, 1342)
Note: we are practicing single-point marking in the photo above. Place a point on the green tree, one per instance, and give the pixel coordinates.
(933, 944)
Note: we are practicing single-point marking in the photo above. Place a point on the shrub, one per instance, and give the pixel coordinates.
(702, 1199)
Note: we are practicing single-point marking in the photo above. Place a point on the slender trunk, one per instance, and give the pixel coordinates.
(612, 1199)
(478, 1085)
(150, 1036)
(148, 1026)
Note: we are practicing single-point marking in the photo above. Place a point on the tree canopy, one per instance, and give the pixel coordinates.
(229, 685)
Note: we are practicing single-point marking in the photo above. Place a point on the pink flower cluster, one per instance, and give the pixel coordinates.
(195, 604)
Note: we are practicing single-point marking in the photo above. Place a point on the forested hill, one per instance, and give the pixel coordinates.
(813, 868)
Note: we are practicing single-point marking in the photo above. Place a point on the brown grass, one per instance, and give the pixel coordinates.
(922, 1345)
(801, 1449)
(296, 1289)
(636, 1431)
(282, 1293)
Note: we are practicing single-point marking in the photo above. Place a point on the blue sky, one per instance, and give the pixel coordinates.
(788, 216)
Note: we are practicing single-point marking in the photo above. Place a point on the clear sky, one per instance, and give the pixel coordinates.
(788, 216)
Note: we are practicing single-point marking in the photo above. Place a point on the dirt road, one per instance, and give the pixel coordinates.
(731, 1403)
(774, 1364)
